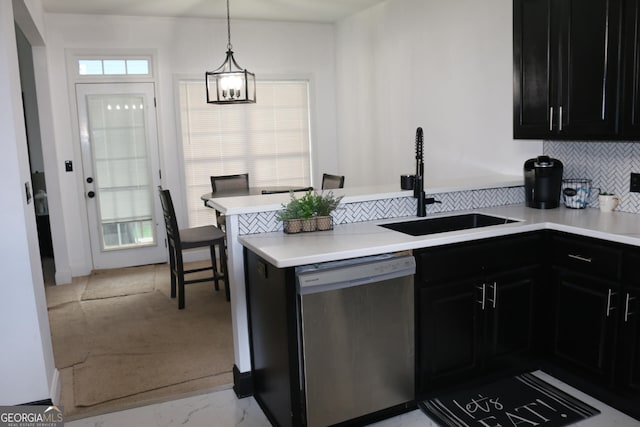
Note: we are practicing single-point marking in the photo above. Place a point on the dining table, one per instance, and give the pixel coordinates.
(254, 191)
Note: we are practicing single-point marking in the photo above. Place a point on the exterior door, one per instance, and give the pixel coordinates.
(118, 136)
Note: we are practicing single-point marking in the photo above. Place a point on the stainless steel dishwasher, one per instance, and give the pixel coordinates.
(357, 328)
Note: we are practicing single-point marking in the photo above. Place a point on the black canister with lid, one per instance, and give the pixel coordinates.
(543, 182)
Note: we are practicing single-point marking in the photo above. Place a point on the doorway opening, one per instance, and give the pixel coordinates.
(36, 159)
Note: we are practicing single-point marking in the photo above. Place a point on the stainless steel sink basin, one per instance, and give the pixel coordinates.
(443, 224)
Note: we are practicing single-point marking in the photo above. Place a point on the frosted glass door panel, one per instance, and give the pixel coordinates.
(121, 170)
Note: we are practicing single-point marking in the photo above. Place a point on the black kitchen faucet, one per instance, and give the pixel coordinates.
(418, 189)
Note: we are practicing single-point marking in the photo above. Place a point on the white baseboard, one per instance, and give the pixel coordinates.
(55, 390)
(63, 277)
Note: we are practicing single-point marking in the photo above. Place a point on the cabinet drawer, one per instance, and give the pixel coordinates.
(449, 263)
(478, 257)
(587, 257)
(513, 252)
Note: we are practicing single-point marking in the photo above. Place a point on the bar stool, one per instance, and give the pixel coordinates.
(190, 238)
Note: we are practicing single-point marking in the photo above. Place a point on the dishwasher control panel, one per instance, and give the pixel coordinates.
(360, 271)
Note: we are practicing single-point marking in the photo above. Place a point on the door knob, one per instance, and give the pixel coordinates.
(91, 194)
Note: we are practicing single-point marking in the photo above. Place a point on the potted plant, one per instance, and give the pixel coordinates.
(308, 211)
(326, 204)
(303, 214)
(291, 216)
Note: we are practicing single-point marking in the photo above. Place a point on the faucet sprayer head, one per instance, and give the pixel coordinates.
(419, 144)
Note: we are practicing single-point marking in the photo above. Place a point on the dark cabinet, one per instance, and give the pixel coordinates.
(475, 308)
(566, 57)
(596, 322)
(275, 366)
(587, 300)
(449, 333)
(629, 342)
(584, 332)
(509, 304)
(631, 70)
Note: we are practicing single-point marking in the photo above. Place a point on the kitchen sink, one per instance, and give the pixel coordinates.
(443, 224)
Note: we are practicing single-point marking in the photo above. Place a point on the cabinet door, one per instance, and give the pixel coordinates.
(631, 80)
(448, 347)
(566, 66)
(510, 316)
(629, 370)
(629, 344)
(585, 324)
(588, 66)
(532, 68)
(273, 353)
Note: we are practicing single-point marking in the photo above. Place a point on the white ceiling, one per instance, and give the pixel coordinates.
(325, 11)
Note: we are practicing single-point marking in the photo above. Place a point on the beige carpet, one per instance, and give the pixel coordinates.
(119, 342)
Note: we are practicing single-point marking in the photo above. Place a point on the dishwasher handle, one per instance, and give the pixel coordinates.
(357, 274)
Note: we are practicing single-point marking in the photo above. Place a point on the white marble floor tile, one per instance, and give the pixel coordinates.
(220, 408)
(411, 419)
(223, 409)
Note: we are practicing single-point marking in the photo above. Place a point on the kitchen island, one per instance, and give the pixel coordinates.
(256, 214)
(545, 283)
(251, 222)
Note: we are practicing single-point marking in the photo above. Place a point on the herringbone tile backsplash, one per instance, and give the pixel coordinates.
(607, 164)
(346, 213)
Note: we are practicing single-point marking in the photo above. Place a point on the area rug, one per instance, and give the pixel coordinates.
(138, 373)
(517, 401)
(143, 342)
(120, 282)
(119, 340)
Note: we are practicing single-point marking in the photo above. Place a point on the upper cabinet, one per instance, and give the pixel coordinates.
(631, 70)
(567, 69)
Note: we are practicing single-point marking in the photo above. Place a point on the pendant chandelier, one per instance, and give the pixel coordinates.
(230, 84)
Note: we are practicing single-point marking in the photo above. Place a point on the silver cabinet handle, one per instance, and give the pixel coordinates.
(560, 118)
(495, 294)
(483, 288)
(627, 313)
(609, 308)
(580, 258)
(550, 119)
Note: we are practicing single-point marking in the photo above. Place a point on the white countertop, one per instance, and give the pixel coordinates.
(367, 238)
(274, 202)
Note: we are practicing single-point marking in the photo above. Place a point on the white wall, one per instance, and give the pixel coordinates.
(443, 65)
(26, 360)
(183, 46)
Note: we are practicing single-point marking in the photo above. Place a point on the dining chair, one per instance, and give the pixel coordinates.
(228, 183)
(332, 181)
(190, 238)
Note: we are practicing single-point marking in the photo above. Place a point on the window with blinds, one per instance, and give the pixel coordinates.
(269, 140)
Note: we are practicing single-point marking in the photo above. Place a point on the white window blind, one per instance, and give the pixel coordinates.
(269, 140)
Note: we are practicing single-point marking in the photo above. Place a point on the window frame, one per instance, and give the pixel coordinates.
(178, 79)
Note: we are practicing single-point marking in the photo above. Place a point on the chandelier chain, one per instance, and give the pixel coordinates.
(229, 47)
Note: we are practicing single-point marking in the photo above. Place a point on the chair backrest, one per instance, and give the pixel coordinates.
(229, 182)
(170, 221)
(332, 181)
